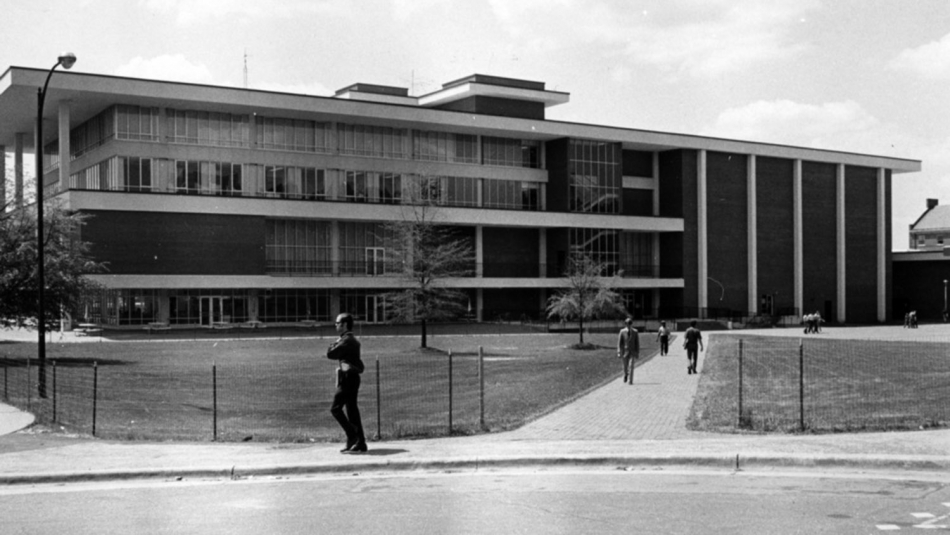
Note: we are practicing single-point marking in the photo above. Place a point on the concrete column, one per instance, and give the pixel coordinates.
(656, 212)
(798, 238)
(752, 219)
(335, 248)
(3, 185)
(881, 245)
(253, 312)
(656, 183)
(336, 307)
(543, 253)
(479, 252)
(840, 250)
(18, 169)
(480, 304)
(64, 149)
(703, 268)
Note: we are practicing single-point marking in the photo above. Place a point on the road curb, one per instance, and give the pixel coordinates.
(731, 462)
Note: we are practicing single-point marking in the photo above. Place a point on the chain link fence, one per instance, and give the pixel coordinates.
(820, 384)
(286, 396)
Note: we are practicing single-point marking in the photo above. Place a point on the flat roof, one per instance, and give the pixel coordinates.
(89, 94)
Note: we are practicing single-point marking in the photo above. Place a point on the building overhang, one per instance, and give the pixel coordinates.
(89, 94)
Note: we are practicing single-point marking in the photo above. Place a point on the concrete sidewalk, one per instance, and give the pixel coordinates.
(618, 425)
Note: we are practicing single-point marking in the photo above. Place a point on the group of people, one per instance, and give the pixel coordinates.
(812, 323)
(628, 346)
(910, 319)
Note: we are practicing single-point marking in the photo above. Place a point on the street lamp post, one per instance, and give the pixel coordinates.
(66, 60)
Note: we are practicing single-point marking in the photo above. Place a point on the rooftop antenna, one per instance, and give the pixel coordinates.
(245, 68)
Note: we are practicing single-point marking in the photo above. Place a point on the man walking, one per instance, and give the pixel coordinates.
(693, 339)
(346, 350)
(663, 336)
(628, 349)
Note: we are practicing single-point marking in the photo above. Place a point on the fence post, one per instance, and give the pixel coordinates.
(29, 387)
(801, 385)
(6, 393)
(739, 421)
(450, 392)
(214, 401)
(379, 434)
(95, 394)
(481, 388)
(54, 390)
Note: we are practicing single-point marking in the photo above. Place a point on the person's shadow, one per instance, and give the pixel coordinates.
(384, 451)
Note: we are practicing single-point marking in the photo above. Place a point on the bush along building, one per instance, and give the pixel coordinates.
(214, 204)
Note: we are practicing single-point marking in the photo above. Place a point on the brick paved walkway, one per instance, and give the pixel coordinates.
(654, 407)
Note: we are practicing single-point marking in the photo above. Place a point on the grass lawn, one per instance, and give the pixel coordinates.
(848, 385)
(280, 390)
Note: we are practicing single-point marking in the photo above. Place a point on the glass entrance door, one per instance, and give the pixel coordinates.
(212, 310)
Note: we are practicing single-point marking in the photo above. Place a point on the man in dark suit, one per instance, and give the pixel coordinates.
(346, 350)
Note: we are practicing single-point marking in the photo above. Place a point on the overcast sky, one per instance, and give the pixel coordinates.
(868, 76)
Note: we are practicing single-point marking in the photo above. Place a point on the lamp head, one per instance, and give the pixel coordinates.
(67, 59)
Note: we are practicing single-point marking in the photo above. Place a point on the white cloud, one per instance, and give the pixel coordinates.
(408, 10)
(167, 67)
(197, 11)
(693, 37)
(929, 61)
(793, 123)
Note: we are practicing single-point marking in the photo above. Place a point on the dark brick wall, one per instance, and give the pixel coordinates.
(819, 245)
(511, 303)
(774, 234)
(510, 252)
(678, 199)
(558, 246)
(727, 230)
(149, 243)
(919, 286)
(861, 244)
(503, 107)
(637, 201)
(637, 163)
(556, 160)
(671, 167)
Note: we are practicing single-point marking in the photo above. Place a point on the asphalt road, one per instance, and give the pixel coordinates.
(557, 501)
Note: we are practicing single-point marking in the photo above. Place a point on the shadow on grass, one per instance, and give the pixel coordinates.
(64, 363)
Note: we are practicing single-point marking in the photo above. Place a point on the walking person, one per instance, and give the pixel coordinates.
(663, 336)
(628, 348)
(693, 339)
(346, 350)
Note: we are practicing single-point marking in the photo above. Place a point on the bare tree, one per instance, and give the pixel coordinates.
(426, 253)
(589, 294)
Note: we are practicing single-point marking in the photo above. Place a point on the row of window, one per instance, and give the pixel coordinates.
(130, 307)
(143, 175)
(304, 247)
(219, 129)
(596, 178)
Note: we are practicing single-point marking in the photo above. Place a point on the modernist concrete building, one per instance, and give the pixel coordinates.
(227, 204)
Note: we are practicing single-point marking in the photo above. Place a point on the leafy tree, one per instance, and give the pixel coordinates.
(589, 294)
(425, 253)
(67, 260)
